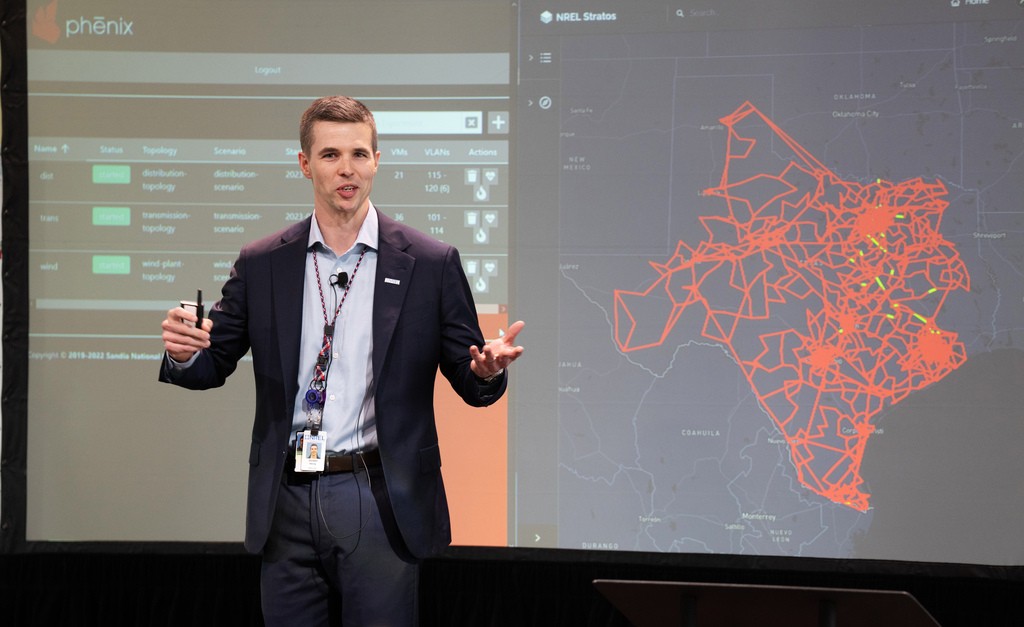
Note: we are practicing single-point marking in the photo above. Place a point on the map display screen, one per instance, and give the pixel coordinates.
(789, 295)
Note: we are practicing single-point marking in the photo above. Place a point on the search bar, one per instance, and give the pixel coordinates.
(679, 13)
(429, 122)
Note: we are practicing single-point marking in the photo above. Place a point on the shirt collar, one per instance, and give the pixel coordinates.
(368, 236)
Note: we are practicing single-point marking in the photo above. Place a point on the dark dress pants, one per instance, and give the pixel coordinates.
(335, 557)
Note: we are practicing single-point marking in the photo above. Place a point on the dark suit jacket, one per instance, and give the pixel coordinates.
(423, 318)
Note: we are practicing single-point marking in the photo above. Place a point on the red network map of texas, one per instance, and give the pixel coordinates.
(824, 291)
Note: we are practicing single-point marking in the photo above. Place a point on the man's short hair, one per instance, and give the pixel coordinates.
(334, 109)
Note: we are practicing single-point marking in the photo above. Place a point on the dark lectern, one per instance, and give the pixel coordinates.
(678, 604)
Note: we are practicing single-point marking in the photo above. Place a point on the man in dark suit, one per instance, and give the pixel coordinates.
(348, 315)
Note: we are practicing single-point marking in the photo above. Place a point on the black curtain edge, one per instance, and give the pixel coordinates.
(14, 155)
(715, 566)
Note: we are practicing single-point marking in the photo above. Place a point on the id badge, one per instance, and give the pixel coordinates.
(310, 451)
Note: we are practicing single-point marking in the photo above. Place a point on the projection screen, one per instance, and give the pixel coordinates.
(769, 256)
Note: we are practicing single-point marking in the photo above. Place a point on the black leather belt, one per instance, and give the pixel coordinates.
(350, 462)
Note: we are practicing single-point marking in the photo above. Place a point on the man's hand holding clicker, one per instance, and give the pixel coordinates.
(181, 337)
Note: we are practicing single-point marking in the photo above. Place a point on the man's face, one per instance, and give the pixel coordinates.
(341, 163)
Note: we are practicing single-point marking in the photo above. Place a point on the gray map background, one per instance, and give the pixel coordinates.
(667, 449)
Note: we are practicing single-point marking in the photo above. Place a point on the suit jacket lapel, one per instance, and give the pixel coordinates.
(394, 272)
(287, 269)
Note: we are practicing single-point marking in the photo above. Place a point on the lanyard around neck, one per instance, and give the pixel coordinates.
(317, 392)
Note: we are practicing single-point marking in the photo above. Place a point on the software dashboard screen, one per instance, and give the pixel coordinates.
(769, 256)
(163, 137)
